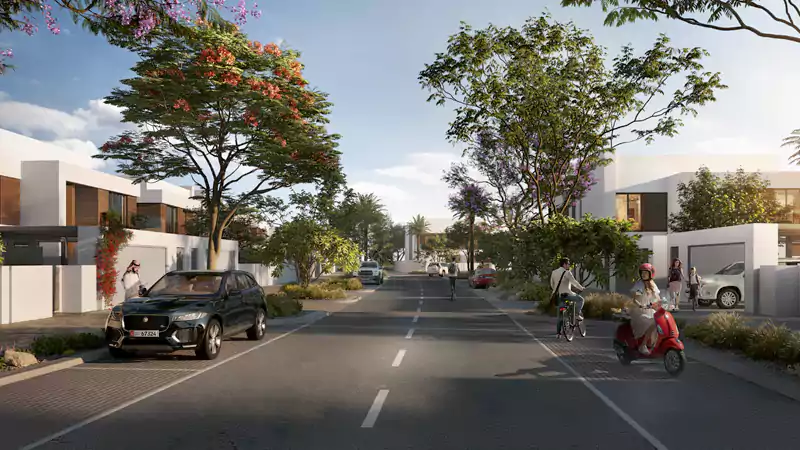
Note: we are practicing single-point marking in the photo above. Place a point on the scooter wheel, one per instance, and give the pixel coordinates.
(623, 356)
(674, 361)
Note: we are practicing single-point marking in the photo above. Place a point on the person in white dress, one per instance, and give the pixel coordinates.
(641, 311)
(131, 281)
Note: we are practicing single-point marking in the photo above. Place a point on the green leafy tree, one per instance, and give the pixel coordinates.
(771, 20)
(793, 141)
(222, 110)
(248, 226)
(2, 250)
(470, 203)
(418, 226)
(601, 248)
(309, 246)
(544, 106)
(713, 201)
(398, 233)
(437, 248)
(361, 217)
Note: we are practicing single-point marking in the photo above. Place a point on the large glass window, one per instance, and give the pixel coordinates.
(172, 220)
(789, 197)
(648, 212)
(116, 203)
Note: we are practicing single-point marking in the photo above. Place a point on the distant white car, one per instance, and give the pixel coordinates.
(725, 287)
(436, 269)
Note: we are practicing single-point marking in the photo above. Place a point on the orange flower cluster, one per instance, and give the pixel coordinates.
(250, 119)
(273, 49)
(231, 78)
(173, 72)
(266, 88)
(293, 73)
(182, 104)
(220, 55)
(260, 49)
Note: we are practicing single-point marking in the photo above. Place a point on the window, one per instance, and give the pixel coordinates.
(647, 211)
(179, 258)
(736, 268)
(244, 281)
(789, 197)
(171, 220)
(117, 203)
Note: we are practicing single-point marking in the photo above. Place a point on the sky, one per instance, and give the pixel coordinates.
(367, 56)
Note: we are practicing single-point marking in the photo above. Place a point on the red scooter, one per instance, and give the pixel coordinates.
(668, 345)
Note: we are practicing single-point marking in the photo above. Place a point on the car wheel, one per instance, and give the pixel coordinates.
(118, 353)
(211, 342)
(259, 329)
(727, 298)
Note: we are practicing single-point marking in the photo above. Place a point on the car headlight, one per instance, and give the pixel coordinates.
(115, 314)
(190, 316)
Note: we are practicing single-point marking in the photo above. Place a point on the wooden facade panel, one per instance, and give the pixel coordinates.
(181, 221)
(86, 206)
(70, 204)
(130, 203)
(9, 201)
(102, 202)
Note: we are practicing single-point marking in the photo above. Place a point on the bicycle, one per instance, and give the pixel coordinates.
(567, 327)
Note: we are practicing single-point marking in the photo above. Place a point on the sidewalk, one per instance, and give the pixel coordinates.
(22, 334)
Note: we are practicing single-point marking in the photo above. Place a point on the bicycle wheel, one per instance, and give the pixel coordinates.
(582, 328)
(569, 324)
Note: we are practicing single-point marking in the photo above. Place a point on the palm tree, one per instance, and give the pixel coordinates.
(468, 204)
(416, 227)
(793, 141)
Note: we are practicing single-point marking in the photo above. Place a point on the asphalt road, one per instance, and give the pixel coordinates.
(404, 368)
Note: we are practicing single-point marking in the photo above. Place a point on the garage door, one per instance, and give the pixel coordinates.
(709, 259)
(153, 262)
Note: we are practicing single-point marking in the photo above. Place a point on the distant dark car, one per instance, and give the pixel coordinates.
(188, 310)
(483, 278)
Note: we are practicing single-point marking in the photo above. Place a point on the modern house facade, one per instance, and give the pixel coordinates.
(644, 189)
(50, 210)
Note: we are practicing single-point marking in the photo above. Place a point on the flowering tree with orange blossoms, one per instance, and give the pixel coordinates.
(235, 116)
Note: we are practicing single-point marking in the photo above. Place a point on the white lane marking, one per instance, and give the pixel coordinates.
(657, 445)
(437, 298)
(410, 333)
(399, 358)
(375, 409)
(143, 397)
(416, 318)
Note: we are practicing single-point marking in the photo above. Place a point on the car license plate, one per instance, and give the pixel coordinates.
(144, 333)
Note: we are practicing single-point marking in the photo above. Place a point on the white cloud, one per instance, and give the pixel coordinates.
(77, 132)
(387, 193)
(31, 120)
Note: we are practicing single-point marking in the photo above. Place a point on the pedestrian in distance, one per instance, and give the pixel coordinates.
(695, 281)
(676, 279)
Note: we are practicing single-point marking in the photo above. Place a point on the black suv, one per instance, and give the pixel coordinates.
(189, 310)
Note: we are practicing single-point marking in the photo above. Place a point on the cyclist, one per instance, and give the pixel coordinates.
(452, 274)
(562, 281)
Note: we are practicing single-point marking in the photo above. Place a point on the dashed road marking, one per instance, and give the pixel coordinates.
(416, 318)
(375, 409)
(399, 358)
(410, 333)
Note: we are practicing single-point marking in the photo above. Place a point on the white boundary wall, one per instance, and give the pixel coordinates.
(779, 291)
(78, 289)
(26, 293)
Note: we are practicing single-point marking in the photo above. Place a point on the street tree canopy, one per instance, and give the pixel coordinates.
(542, 107)
(713, 201)
(771, 20)
(228, 113)
(307, 244)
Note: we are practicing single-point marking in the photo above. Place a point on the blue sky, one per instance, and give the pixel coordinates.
(367, 55)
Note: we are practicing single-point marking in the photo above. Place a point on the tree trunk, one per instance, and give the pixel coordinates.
(214, 238)
(471, 245)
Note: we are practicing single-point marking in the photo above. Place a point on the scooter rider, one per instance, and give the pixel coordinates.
(645, 294)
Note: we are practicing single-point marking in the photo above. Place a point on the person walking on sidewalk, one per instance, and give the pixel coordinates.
(452, 274)
(676, 278)
(131, 281)
(695, 281)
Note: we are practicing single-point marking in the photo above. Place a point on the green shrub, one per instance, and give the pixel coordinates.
(772, 342)
(282, 305)
(534, 292)
(721, 330)
(603, 305)
(348, 284)
(314, 292)
(60, 344)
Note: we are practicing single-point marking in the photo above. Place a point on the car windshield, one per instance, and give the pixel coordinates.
(186, 284)
(484, 272)
(369, 265)
(736, 268)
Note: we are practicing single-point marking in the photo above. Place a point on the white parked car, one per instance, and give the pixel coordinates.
(725, 287)
(436, 269)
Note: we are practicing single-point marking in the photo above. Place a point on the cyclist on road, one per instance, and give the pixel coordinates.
(562, 281)
(452, 273)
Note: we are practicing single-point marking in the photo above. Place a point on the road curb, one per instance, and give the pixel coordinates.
(349, 300)
(310, 317)
(48, 367)
(746, 369)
